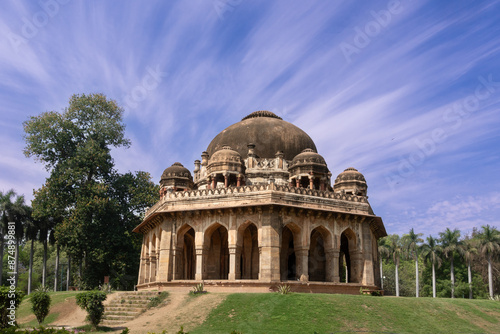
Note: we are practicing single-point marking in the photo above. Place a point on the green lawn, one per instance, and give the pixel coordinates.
(323, 313)
(24, 309)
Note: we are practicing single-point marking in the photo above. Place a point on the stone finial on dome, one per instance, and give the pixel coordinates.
(261, 113)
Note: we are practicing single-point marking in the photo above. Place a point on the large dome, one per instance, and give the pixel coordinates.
(268, 132)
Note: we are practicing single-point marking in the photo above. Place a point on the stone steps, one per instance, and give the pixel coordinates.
(126, 306)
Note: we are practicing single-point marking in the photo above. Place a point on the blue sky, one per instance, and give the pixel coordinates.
(407, 92)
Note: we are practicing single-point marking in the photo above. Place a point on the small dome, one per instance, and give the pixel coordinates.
(225, 154)
(351, 181)
(350, 174)
(308, 157)
(177, 170)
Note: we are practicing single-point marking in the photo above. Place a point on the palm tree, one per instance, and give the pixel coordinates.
(489, 245)
(383, 254)
(5, 204)
(468, 251)
(451, 245)
(431, 252)
(412, 241)
(395, 248)
(31, 234)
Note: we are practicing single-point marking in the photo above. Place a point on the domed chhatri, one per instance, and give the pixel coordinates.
(351, 182)
(260, 210)
(268, 132)
(175, 178)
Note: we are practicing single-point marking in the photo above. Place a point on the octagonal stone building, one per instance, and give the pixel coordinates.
(260, 210)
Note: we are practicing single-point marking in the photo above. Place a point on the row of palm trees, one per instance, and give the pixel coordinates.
(14, 209)
(412, 246)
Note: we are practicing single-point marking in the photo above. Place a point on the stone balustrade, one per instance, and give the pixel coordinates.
(218, 192)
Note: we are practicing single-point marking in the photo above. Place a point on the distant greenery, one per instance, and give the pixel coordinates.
(9, 302)
(326, 313)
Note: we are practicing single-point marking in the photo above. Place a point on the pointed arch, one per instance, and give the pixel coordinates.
(347, 248)
(216, 254)
(320, 242)
(186, 254)
(247, 249)
(290, 239)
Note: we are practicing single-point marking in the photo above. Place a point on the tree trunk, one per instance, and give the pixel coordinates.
(433, 280)
(381, 276)
(416, 276)
(44, 265)
(68, 273)
(1, 252)
(56, 270)
(490, 276)
(397, 279)
(469, 274)
(452, 279)
(16, 270)
(30, 270)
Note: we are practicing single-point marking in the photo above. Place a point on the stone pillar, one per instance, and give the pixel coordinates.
(199, 264)
(356, 264)
(226, 180)
(302, 262)
(147, 272)
(164, 271)
(238, 180)
(213, 182)
(269, 253)
(232, 263)
(152, 261)
(332, 265)
(199, 249)
(297, 182)
(311, 182)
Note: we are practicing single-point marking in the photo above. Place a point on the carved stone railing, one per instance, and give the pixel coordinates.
(217, 192)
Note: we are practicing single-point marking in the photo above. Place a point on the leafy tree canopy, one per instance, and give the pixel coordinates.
(89, 206)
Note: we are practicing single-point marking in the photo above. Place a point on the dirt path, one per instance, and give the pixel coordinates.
(181, 310)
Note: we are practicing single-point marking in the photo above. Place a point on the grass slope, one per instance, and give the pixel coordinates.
(25, 313)
(323, 313)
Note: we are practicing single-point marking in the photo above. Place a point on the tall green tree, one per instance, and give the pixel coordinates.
(413, 242)
(394, 246)
(91, 207)
(489, 240)
(468, 251)
(451, 246)
(383, 252)
(17, 212)
(431, 252)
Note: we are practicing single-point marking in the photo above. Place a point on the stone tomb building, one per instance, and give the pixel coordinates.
(259, 209)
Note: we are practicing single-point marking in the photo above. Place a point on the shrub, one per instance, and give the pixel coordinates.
(91, 301)
(199, 288)
(40, 301)
(284, 289)
(9, 302)
(157, 300)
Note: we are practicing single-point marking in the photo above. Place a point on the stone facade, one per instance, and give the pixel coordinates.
(252, 217)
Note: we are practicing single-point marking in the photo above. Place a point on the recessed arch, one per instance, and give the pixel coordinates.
(347, 249)
(186, 253)
(216, 252)
(320, 241)
(290, 239)
(247, 249)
